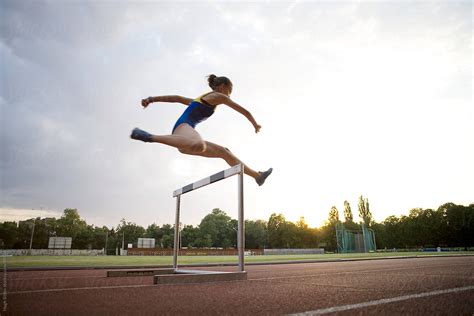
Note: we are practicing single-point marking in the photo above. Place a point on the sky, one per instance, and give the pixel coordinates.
(369, 98)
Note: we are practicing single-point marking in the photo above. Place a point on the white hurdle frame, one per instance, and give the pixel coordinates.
(239, 170)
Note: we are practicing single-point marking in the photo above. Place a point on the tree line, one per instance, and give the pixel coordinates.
(450, 225)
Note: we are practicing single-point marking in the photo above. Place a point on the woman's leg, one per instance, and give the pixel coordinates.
(217, 151)
(184, 137)
(188, 141)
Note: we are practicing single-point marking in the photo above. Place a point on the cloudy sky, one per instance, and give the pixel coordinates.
(354, 97)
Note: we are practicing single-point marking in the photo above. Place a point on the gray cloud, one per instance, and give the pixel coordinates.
(73, 74)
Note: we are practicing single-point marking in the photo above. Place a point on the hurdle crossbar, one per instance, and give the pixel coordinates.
(208, 180)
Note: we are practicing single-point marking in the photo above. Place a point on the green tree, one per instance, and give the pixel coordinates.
(348, 217)
(333, 215)
(328, 231)
(153, 231)
(219, 226)
(380, 235)
(405, 232)
(290, 235)
(130, 232)
(8, 235)
(364, 211)
(460, 224)
(50, 227)
(392, 232)
(70, 225)
(84, 237)
(41, 234)
(328, 236)
(24, 234)
(113, 240)
(306, 237)
(203, 240)
(42, 229)
(426, 227)
(189, 236)
(100, 236)
(167, 233)
(255, 234)
(275, 231)
(233, 232)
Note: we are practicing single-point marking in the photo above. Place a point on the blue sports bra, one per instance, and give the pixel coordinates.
(198, 110)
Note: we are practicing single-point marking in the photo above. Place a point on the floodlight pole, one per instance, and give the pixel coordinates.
(106, 239)
(32, 233)
(123, 241)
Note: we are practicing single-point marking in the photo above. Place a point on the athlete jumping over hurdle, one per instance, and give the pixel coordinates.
(187, 140)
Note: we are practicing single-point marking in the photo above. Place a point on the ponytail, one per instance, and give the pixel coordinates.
(215, 81)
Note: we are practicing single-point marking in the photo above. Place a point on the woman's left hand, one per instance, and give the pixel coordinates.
(257, 128)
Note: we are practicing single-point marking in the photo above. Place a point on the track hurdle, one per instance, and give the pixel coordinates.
(196, 276)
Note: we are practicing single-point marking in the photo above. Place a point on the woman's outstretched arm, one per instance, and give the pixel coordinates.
(223, 99)
(166, 98)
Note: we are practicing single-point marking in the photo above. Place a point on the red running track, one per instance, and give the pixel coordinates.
(416, 286)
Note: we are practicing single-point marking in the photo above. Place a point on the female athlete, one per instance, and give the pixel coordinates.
(187, 140)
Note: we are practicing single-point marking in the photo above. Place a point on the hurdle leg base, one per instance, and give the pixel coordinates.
(139, 272)
(197, 276)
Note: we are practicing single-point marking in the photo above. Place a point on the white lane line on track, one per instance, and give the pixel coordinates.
(343, 308)
(58, 278)
(83, 288)
(327, 274)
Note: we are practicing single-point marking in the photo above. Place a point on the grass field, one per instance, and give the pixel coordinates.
(98, 261)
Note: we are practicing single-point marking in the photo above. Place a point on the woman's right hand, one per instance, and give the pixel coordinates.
(146, 102)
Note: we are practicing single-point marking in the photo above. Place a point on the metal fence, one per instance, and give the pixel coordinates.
(52, 252)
